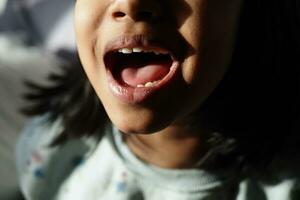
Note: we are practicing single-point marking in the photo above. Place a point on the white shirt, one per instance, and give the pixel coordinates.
(107, 170)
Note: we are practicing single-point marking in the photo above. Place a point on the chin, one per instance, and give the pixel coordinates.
(139, 125)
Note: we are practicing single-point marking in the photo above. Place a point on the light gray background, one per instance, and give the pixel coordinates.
(27, 52)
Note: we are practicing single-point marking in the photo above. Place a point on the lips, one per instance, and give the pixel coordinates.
(137, 67)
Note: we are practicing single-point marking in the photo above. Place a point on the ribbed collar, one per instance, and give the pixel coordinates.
(183, 180)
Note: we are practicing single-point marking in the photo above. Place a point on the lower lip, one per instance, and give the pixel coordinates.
(137, 95)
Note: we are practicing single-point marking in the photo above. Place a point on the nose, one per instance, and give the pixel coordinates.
(137, 10)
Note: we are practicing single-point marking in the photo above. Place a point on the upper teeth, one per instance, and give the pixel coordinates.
(139, 50)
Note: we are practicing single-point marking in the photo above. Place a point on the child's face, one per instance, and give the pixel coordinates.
(143, 92)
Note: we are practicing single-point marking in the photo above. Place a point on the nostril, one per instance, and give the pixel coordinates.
(118, 14)
(143, 15)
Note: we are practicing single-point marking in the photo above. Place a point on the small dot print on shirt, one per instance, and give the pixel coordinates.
(121, 185)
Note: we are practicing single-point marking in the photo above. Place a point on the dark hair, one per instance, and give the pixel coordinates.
(256, 104)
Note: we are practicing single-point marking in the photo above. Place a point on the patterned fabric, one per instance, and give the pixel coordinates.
(41, 167)
(107, 170)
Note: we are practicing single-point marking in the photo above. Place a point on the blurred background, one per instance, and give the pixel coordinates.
(33, 35)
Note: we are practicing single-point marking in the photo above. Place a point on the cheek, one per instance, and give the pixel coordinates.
(87, 21)
(88, 17)
(83, 29)
(210, 30)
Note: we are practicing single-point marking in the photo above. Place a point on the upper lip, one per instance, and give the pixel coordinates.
(147, 43)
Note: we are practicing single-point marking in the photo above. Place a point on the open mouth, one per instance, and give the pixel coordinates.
(138, 67)
(136, 70)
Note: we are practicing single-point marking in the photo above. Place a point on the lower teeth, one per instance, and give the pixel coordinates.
(148, 84)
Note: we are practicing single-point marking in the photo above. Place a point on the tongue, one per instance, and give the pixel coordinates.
(134, 76)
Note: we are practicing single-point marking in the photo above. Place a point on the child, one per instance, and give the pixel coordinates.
(201, 99)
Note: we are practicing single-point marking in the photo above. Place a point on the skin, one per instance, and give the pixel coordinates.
(160, 131)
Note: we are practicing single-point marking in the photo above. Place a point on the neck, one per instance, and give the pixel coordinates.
(177, 146)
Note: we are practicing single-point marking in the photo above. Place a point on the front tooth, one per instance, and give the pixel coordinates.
(140, 85)
(126, 50)
(137, 50)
